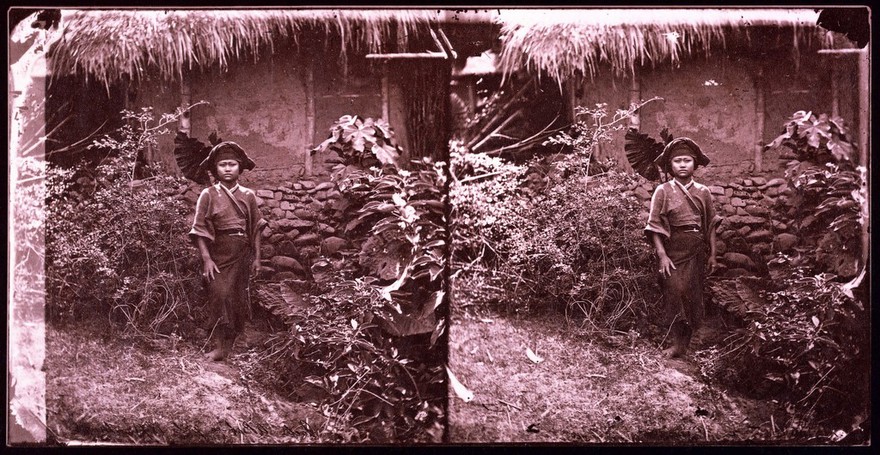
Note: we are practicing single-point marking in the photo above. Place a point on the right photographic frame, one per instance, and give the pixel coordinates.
(660, 227)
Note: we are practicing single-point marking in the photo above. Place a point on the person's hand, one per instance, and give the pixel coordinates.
(713, 264)
(255, 266)
(666, 266)
(209, 269)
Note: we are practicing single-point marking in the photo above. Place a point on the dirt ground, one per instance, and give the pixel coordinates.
(103, 388)
(617, 391)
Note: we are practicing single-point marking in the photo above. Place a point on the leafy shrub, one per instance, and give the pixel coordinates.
(804, 340)
(820, 139)
(829, 191)
(385, 388)
(580, 247)
(804, 334)
(829, 207)
(484, 201)
(370, 342)
(116, 245)
(564, 232)
(361, 142)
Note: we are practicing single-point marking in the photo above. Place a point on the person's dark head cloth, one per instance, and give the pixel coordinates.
(679, 147)
(227, 150)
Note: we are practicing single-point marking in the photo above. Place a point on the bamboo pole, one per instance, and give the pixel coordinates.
(500, 112)
(412, 55)
(497, 130)
(310, 115)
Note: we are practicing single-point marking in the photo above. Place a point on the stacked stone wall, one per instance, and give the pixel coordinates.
(755, 221)
(302, 226)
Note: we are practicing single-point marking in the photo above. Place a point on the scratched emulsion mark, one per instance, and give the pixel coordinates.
(29, 41)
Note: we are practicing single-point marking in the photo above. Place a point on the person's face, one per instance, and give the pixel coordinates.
(228, 170)
(683, 166)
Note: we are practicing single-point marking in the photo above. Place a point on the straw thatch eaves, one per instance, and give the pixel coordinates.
(564, 43)
(110, 45)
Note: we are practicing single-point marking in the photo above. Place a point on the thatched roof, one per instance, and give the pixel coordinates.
(568, 42)
(108, 44)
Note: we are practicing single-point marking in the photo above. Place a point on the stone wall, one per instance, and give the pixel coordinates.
(755, 223)
(303, 226)
(304, 223)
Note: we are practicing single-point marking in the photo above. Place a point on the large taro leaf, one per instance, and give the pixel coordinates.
(415, 318)
(292, 295)
(384, 259)
(747, 288)
(285, 299)
(405, 324)
(739, 296)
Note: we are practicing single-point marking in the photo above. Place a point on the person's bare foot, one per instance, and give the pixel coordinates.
(220, 351)
(675, 351)
(216, 355)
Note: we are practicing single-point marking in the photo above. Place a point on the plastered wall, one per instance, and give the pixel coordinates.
(264, 106)
(713, 101)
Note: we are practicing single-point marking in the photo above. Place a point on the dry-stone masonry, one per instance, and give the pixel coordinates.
(753, 228)
(301, 226)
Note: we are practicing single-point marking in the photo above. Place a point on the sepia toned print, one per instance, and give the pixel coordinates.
(305, 226)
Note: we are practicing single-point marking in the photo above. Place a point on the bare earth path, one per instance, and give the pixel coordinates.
(586, 391)
(104, 389)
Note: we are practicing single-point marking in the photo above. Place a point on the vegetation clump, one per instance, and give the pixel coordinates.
(803, 334)
(115, 244)
(562, 233)
(370, 338)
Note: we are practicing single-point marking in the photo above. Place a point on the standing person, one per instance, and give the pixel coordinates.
(681, 226)
(226, 230)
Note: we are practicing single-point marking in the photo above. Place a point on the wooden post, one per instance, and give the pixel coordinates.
(864, 88)
(569, 93)
(126, 99)
(385, 101)
(472, 96)
(864, 105)
(759, 122)
(635, 97)
(310, 115)
(835, 89)
(864, 136)
(185, 100)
